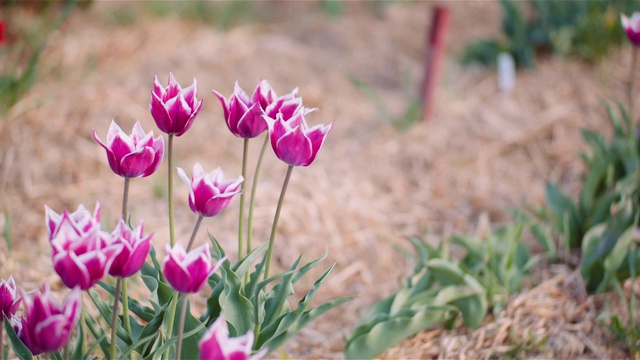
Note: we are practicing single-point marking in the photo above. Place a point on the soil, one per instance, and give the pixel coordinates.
(482, 153)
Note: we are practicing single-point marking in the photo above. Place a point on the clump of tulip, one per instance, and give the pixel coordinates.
(237, 323)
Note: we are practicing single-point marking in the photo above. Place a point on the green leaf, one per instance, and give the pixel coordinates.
(106, 312)
(98, 334)
(385, 331)
(237, 309)
(188, 349)
(19, 348)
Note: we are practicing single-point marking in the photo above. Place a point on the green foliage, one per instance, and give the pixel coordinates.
(609, 165)
(441, 289)
(586, 29)
(19, 349)
(15, 81)
(251, 305)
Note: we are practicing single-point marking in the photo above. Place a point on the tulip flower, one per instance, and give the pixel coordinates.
(135, 248)
(9, 299)
(188, 272)
(81, 257)
(210, 193)
(46, 326)
(81, 219)
(216, 344)
(244, 115)
(293, 141)
(632, 27)
(3, 27)
(135, 155)
(174, 108)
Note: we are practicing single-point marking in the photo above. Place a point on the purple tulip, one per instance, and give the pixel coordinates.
(81, 257)
(216, 344)
(81, 219)
(9, 299)
(293, 141)
(135, 155)
(174, 108)
(632, 27)
(46, 325)
(134, 250)
(210, 193)
(188, 272)
(244, 115)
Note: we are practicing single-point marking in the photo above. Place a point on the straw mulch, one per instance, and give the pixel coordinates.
(371, 185)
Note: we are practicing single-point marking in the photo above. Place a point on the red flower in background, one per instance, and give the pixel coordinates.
(3, 27)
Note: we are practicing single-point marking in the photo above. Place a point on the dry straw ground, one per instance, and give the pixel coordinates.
(483, 152)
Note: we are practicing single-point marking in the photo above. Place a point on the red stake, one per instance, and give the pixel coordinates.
(433, 58)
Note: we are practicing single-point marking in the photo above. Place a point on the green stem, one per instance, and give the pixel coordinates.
(172, 317)
(125, 308)
(195, 231)
(66, 350)
(254, 186)
(125, 198)
(183, 313)
(172, 233)
(274, 227)
(114, 319)
(1, 335)
(634, 61)
(245, 151)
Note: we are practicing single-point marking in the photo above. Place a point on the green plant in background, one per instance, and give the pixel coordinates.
(607, 163)
(441, 288)
(586, 29)
(22, 56)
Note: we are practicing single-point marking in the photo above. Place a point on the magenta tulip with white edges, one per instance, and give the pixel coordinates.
(135, 248)
(632, 27)
(9, 298)
(135, 155)
(217, 345)
(210, 193)
(173, 108)
(188, 272)
(293, 141)
(46, 325)
(81, 219)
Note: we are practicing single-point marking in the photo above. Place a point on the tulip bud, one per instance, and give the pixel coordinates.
(216, 344)
(293, 141)
(46, 325)
(135, 248)
(9, 299)
(210, 193)
(188, 272)
(173, 108)
(135, 155)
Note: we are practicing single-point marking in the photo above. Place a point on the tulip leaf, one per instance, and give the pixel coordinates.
(386, 330)
(275, 328)
(152, 328)
(106, 312)
(98, 334)
(242, 266)
(143, 312)
(80, 345)
(236, 308)
(19, 348)
(277, 298)
(189, 350)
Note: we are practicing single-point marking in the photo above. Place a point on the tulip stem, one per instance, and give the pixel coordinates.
(634, 61)
(241, 215)
(125, 198)
(125, 308)
(254, 186)
(274, 227)
(195, 231)
(183, 313)
(172, 316)
(1, 335)
(114, 319)
(172, 233)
